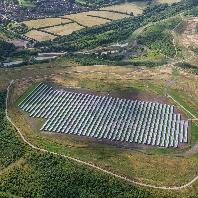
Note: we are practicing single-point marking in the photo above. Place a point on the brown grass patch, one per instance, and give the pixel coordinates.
(85, 20)
(136, 8)
(39, 36)
(38, 23)
(106, 14)
(64, 29)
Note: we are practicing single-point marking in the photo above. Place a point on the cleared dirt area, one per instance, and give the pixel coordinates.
(186, 36)
(190, 34)
(39, 36)
(136, 8)
(38, 23)
(85, 20)
(109, 15)
(64, 29)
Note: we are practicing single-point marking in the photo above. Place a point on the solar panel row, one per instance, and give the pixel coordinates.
(105, 117)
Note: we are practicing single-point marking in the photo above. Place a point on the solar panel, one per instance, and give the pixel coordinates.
(105, 117)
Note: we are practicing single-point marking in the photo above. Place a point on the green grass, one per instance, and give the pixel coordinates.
(194, 134)
(27, 92)
(25, 3)
(152, 58)
(185, 101)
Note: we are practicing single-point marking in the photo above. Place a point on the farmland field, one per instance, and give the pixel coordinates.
(39, 36)
(64, 29)
(65, 26)
(135, 8)
(85, 20)
(38, 23)
(106, 14)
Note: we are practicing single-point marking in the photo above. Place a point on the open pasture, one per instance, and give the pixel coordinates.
(39, 36)
(108, 15)
(85, 20)
(64, 29)
(128, 8)
(39, 23)
(105, 117)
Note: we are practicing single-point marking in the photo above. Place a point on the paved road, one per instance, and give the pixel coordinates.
(92, 165)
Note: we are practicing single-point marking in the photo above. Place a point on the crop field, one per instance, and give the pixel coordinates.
(109, 15)
(64, 29)
(128, 8)
(69, 23)
(39, 36)
(85, 20)
(104, 117)
(39, 23)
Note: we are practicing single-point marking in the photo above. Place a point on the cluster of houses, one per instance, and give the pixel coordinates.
(38, 9)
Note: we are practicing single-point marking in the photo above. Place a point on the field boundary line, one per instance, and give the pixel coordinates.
(194, 117)
(87, 163)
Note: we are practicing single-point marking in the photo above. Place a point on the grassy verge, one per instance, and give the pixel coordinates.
(185, 101)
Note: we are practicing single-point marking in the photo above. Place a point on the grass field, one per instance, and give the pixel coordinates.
(39, 36)
(64, 29)
(38, 23)
(85, 20)
(109, 15)
(136, 8)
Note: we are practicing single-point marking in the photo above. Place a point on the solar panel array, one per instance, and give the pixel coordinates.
(105, 117)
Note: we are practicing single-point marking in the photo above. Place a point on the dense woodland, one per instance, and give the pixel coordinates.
(11, 148)
(158, 37)
(6, 49)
